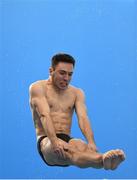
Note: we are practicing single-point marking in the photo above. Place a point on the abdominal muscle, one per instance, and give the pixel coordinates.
(61, 123)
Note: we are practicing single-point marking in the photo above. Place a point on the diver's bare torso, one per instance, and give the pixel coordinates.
(61, 108)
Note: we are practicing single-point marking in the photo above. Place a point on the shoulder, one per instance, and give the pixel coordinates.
(78, 91)
(37, 88)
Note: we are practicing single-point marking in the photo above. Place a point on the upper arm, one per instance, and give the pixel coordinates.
(80, 106)
(38, 100)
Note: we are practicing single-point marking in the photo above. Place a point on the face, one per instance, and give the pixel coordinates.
(62, 74)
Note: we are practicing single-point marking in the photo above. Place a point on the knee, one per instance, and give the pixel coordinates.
(79, 145)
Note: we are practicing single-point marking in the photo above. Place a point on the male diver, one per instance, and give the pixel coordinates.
(53, 102)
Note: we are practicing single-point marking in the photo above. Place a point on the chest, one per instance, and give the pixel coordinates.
(61, 102)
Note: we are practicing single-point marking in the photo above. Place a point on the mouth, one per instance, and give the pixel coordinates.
(64, 84)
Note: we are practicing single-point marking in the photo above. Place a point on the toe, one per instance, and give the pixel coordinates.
(106, 162)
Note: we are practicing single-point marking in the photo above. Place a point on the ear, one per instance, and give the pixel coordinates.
(51, 71)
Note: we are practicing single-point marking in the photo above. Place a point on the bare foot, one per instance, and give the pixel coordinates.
(117, 158)
(113, 158)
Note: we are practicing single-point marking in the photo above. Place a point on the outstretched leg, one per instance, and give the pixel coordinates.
(78, 154)
(85, 157)
(81, 156)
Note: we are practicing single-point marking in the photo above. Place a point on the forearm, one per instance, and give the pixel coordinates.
(49, 128)
(87, 130)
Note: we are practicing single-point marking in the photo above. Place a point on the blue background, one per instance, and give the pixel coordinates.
(101, 35)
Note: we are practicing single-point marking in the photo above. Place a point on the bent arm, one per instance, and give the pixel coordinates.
(83, 119)
(40, 105)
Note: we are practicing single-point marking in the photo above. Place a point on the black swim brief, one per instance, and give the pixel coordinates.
(62, 136)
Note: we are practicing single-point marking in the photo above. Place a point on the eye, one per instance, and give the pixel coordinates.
(62, 72)
(70, 74)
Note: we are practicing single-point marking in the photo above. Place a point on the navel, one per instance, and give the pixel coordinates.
(51, 106)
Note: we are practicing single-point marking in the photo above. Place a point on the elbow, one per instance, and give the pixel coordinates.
(44, 116)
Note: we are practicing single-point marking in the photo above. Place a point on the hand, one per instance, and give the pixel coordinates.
(59, 148)
(93, 147)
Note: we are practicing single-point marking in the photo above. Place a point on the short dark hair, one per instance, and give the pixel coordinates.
(62, 57)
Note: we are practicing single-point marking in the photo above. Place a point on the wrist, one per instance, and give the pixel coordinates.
(93, 146)
(53, 139)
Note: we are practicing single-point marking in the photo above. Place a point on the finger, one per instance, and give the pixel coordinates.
(60, 153)
(57, 153)
(63, 154)
(65, 148)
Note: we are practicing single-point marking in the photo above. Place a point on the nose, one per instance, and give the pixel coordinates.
(66, 77)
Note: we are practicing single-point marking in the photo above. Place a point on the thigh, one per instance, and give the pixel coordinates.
(47, 151)
(49, 155)
(78, 144)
